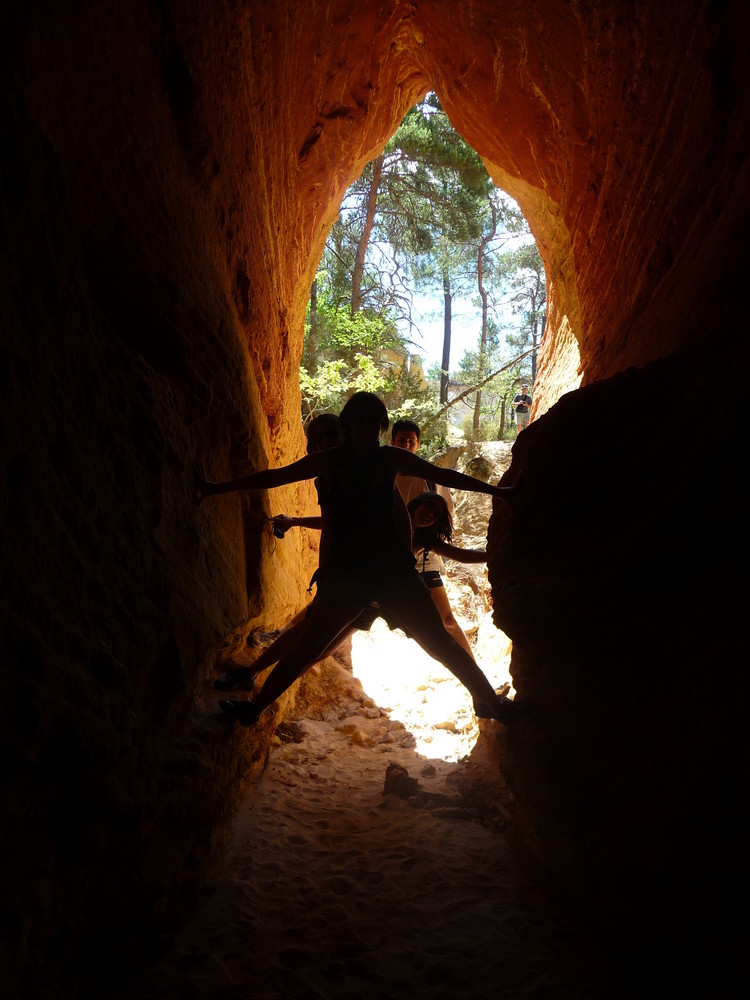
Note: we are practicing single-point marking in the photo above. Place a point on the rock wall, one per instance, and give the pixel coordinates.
(620, 579)
(170, 172)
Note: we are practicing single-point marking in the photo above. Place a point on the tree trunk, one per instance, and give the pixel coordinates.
(447, 296)
(537, 342)
(364, 239)
(462, 395)
(312, 335)
(483, 336)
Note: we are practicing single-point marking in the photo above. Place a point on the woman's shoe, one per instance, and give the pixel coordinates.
(244, 712)
(241, 679)
(482, 710)
(508, 711)
(504, 710)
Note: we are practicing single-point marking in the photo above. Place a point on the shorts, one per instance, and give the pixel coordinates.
(389, 591)
(365, 619)
(432, 579)
(522, 418)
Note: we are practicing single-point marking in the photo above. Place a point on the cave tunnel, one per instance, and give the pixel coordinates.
(170, 174)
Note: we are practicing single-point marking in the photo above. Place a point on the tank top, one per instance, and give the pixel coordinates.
(364, 534)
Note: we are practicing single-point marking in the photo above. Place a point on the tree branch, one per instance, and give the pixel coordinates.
(473, 388)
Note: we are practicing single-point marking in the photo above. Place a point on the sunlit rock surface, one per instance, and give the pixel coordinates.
(171, 171)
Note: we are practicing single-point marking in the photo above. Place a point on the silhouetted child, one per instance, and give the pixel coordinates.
(407, 434)
(432, 528)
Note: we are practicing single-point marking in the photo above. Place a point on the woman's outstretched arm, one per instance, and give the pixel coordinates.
(306, 468)
(410, 464)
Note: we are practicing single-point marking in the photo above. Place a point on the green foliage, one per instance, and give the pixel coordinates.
(496, 392)
(347, 335)
(434, 207)
(522, 273)
(489, 430)
(351, 354)
(430, 205)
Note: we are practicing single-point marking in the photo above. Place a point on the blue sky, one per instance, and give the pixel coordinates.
(466, 316)
(428, 315)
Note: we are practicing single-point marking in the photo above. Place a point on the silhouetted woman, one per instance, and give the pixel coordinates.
(364, 556)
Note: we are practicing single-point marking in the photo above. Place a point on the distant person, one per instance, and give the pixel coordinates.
(522, 404)
(365, 558)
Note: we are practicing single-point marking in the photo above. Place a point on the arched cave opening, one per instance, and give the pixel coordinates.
(169, 177)
(423, 169)
(430, 279)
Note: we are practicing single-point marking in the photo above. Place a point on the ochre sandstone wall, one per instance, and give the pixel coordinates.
(170, 171)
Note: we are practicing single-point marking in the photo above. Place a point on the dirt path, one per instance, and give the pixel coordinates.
(333, 889)
(338, 888)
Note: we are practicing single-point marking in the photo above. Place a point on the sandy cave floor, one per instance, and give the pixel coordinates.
(333, 889)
